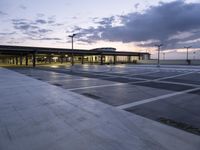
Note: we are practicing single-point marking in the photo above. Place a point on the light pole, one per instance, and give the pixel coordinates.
(72, 37)
(194, 53)
(163, 55)
(159, 46)
(187, 47)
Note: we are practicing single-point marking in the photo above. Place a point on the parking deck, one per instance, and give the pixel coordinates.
(169, 94)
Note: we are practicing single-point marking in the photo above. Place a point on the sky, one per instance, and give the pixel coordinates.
(128, 25)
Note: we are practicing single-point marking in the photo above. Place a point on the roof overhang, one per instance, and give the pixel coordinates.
(7, 49)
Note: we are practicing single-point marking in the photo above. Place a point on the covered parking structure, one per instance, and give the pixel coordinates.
(25, 55)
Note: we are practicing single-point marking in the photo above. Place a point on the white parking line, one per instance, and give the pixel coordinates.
(179, 83)
(105, 85)
(130, 105)
(98, 86)
(146, 73)
(134, 78)
(116, 84)
(163, 78)
(127, 76)
(124, 76)
(62, 80)
(179, 75)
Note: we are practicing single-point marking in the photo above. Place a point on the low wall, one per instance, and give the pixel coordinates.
(169, 62)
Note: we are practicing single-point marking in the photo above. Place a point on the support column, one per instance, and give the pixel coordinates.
(139, 57)
(61, 59)
(49, 58)
(115, 59)
(34, 60)
(27, 60)
(21, 59)
(101, 60)
(92, 59)
(13, 60)
(16, 60)
(82, 59)
(129, 59)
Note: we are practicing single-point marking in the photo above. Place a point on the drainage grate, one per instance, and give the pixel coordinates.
(91, 95)
(180, 125)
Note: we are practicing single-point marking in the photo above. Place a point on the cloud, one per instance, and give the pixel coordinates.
(24, 25)
(40, 15)
(2, 13)
(46, 38)
(137, 5)
(23, 7)
(40, 21)
(50, 20)
(160, 23)
(31, 28)
(39, 29)
(7, 33)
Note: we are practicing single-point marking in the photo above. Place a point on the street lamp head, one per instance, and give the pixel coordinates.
(158, 45)
(187, 46)
(73, 35)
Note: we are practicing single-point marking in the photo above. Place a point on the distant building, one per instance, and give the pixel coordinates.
(24, 55)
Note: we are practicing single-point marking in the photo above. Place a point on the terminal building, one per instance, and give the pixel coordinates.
(24, 55)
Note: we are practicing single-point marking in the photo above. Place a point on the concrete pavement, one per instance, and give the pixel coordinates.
(35, 115)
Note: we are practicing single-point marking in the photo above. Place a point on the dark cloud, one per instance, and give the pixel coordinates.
(174, 24)
(23, 7)
(40, 21)
(34, 29)
(55, 39)
(24, 25)
(106, 22)
(75, 17)
(7, 33)
(3, 13)
(44, 30)
(52, 20)
(40, 15)
(38, 29)
(30, 28)
(13, 42)
(137, 5)
(46, 38)
(46, 21)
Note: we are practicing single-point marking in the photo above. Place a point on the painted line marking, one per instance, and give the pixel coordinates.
(130, 105)
(105, 85)
(84, 79)
(113, 76)
(162, 78)
(179, 75)
(178, 83)
(98, 86)
(142, 80)
(145, 73)
(116, 84)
